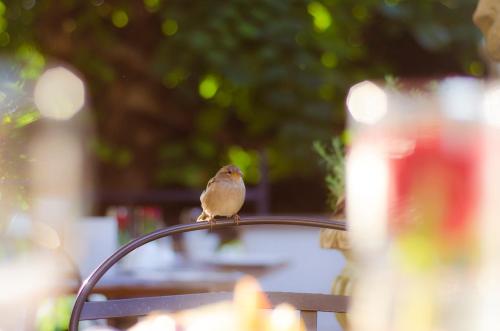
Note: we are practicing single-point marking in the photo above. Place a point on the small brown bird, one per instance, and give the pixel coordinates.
(224, 195)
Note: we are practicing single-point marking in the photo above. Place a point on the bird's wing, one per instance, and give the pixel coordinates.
(210, 182)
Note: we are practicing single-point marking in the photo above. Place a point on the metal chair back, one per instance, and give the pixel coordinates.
(307, 303)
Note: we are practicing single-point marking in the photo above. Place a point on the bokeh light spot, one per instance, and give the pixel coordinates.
(208, 86)
(59, 94)
(33, 61)
(174, 77)
(27, 118)
(123, 157)
(119, 18)
(321, 16)
(247, 160)
(476, 68)
(329, 59)
(152, 5)
(360, 12)
(367, 102)
(326, 92)
(2, 8)
(29, 4)
(69, 25)
(169, 27)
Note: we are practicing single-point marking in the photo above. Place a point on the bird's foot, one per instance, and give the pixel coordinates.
(202, 217)
(236, 219)
(211, 222)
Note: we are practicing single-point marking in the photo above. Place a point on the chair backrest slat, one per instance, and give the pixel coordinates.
(307, 302)
(146, 305)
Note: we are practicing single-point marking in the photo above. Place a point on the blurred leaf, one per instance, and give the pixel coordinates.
(172, 151)
(208, 86)
(248, 30)
(123, 157)
(333, 157)
(33, 62)
(247, 161)
(204, 148)
(119, 18)
(27, 118)
(210, 120)
(321, 16)
(169, 27)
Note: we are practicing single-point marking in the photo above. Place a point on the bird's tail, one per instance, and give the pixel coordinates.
(203, 217)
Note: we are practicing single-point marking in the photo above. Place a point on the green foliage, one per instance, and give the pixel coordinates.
(333, 159)
(118, 156)
(27, 118)
(247, 161)
(17, 112)
(255, 76)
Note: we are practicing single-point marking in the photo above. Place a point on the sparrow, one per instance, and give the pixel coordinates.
(224, 195)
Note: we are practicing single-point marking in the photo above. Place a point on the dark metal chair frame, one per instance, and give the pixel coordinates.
(308, 304)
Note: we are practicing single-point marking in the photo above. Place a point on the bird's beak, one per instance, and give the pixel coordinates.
(238, 173)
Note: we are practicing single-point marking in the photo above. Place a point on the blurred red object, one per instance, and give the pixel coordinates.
(434, 184)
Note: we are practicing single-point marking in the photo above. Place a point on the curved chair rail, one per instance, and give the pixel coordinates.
(97, 274)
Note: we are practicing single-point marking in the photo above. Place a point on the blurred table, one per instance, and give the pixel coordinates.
(170, 283)
(208, 275)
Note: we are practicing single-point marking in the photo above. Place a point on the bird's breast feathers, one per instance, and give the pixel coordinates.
(223, 197)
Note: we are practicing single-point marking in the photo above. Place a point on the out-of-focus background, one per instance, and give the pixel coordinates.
(175, 89)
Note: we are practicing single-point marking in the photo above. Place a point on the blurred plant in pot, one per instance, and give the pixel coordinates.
(333, 159)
